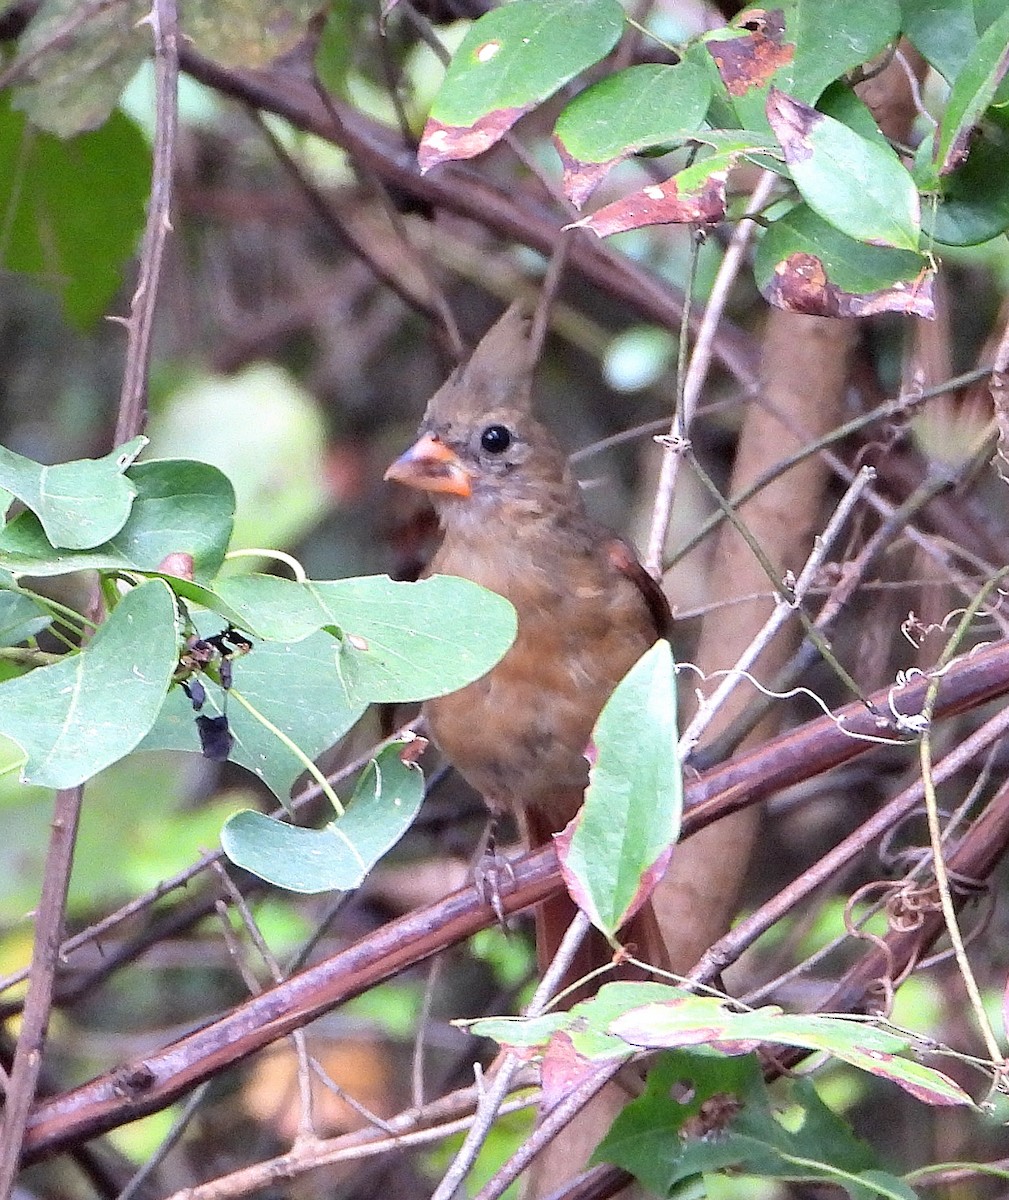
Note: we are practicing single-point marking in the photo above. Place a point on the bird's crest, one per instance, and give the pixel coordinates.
(498, 375)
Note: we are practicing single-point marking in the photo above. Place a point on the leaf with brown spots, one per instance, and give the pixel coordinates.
(856, 184)
(805, 265)
(750, 52)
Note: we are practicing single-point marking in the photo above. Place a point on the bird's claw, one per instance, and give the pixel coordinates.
(491, 868)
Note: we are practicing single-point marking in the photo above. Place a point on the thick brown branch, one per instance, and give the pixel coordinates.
(150, 1084)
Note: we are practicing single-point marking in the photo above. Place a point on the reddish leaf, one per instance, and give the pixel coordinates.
(582, 178)
(694, 196)
(444, 143)
(747, 61)
(562, 1069)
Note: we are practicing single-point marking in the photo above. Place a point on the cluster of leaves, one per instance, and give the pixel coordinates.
(855, 234)
(157, 533)
(708, 1081)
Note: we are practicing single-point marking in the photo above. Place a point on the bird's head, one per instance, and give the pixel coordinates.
(480, 450)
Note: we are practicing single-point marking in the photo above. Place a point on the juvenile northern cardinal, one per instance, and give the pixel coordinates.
(513, 520)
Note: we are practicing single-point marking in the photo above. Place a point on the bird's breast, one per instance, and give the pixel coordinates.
(519, 734)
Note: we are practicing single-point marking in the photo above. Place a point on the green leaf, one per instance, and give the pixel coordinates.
(805, 265)
(833, 38)
(403, 641)
(80, 504)
(81, 714)
(944, 32)
(512, 59)
(338, 856)
(296, 687)
(21, 618)
(628, 111)
(858, 186)
(72, 209)
(180, 506)
(684, 1017)
(618, 846)
(970, 205)
(728, 1100)
(973, 90)
(797, 46)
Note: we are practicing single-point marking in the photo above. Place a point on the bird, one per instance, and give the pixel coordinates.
(513, 519)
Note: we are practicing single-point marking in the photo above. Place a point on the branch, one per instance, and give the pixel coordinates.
(151, 1083)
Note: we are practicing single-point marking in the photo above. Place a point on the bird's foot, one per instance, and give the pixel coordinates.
(493, 868)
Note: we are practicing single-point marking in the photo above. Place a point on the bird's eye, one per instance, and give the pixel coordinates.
(495, 439)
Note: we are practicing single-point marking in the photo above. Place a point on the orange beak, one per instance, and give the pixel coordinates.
(431, 466)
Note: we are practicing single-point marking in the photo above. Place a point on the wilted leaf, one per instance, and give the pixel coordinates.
(180, 506)
(628, 111)
(805, 265)
(80, 504)
(751, 50)
(695, 195)
(799, 46)
(512, 59)
(617, 848)
(972, 92)
(93, 707)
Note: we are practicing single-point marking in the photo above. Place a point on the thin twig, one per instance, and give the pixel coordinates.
(490, 1102)
(697, 373)
(163, 19)
(38, 1004)
(728, 948)
(783, 609)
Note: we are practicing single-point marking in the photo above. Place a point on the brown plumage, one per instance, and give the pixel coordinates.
(514, 521)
